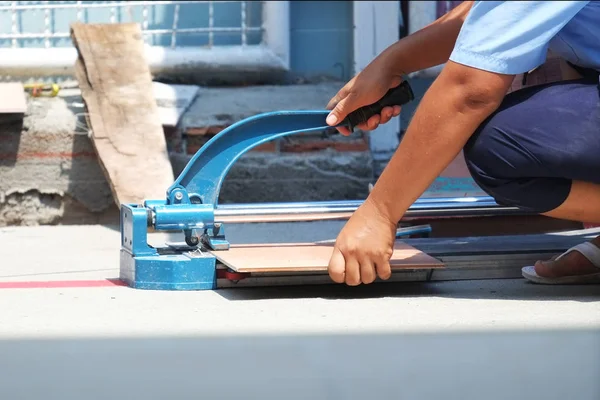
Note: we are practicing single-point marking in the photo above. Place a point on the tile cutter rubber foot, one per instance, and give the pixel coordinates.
(191, 202)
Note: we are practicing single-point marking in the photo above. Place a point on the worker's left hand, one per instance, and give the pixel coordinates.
(364, 247)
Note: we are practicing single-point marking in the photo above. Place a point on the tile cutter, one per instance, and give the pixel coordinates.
(191, 204)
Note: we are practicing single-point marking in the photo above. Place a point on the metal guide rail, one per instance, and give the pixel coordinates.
(315, 211)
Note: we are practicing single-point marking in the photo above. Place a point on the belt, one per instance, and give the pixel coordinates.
(586, 73)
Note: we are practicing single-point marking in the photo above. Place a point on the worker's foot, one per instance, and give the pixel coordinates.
(573, 263)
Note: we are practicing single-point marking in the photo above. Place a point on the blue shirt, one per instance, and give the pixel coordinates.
(513, 37)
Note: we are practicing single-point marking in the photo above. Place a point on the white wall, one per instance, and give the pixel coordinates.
(376, 26)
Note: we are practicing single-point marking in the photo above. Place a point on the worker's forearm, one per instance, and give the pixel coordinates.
(447, 116)
(429, 46)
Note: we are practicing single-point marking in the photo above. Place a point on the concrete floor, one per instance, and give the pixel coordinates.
(488, 339)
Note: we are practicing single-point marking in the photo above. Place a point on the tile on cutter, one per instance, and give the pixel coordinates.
(309, 257)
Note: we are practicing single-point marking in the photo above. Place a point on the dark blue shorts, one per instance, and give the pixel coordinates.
(539, 140)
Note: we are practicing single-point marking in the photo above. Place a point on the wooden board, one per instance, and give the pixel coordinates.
(12, 98)
(309, 257)
(122, 113)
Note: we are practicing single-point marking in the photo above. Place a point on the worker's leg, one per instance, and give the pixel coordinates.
(541, 152)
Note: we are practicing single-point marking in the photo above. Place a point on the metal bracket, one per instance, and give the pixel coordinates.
(214, 238)
(160, 268)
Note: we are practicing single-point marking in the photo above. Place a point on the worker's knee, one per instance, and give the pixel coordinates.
(485, 161)
(506, 170)
(524, 156)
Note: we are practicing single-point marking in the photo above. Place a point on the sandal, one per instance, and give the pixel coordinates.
(588, 250)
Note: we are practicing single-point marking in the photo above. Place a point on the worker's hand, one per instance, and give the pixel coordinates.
(369, 86)
(364, 247)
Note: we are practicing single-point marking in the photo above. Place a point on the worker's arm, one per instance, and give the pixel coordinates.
(457, 102)
(454, 106)
(429, 46)
(423, 49)
(498, 40)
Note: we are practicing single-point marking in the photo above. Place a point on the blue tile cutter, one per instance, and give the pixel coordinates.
(191, 203)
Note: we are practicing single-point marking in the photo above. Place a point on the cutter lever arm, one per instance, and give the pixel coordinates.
(204, 174)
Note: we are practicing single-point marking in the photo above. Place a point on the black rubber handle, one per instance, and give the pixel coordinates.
(397, 96)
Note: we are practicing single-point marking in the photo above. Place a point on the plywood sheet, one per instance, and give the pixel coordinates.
(309, 257)
(117, 88)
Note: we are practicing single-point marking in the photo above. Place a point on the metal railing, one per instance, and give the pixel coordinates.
(121, 8)
(224, 38)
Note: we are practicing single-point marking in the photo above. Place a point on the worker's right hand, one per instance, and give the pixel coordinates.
(367, 87)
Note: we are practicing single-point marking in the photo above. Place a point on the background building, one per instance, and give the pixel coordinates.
(308, 49)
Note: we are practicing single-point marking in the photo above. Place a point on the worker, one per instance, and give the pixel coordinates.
(537, 148)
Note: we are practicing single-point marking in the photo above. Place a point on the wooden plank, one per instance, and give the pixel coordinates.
(12, 98)
(309, 257)
(117, 88)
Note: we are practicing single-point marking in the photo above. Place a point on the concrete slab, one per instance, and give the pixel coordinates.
(172, 101)
(492, 339)
(222, 106)
(91, 252)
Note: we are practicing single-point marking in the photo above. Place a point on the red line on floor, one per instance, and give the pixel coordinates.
(61, 284)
